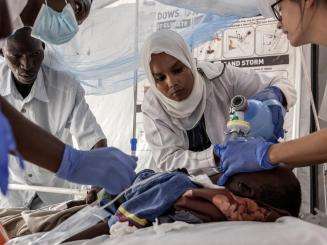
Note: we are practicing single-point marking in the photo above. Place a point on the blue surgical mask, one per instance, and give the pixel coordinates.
(55, 27)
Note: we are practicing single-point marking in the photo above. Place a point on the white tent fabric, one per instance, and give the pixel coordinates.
(247, 8)
(104, 55)
(222, 7)
(101, 55)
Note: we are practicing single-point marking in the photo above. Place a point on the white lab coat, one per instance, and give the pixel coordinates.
(57, 104)
(169, 143)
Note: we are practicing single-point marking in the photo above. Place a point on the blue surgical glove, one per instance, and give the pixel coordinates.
(109, 168)
(7, 145)
(243, 156)
(272, 94)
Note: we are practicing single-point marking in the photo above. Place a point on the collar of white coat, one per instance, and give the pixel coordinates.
(38, 90)
(211, 70)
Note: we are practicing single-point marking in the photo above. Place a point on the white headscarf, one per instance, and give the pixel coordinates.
(188, 112)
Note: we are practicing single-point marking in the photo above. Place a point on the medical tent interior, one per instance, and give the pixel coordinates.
(104, 56)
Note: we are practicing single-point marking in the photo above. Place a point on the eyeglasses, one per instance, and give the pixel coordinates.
(276, 9)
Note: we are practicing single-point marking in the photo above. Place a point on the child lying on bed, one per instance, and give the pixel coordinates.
(262, 196)
(250, 196)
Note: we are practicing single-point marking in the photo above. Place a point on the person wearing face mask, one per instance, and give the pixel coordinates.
(303, 21)
(108, 167)
(81, 9)
(187, 106)
(53, 21)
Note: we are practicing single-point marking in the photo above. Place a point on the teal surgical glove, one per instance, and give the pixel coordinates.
(7, 145)
(109, 168)
(242, 156)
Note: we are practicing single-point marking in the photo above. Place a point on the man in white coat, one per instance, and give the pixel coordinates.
(53, 100)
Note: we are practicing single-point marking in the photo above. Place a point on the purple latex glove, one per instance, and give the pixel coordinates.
(243, 156)
(108, 167)
(273, 94)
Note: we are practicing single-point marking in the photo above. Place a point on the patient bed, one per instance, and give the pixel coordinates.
(286, 230)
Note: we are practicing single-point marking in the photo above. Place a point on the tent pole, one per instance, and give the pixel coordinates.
(136, 52)
(314, 127)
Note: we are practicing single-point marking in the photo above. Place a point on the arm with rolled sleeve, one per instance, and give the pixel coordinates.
(168, 149)
(247, 82)
(83, 125)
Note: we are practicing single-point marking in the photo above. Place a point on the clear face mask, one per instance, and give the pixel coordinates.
(55, 27)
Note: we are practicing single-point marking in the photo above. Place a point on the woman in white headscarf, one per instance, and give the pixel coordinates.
(187, 106)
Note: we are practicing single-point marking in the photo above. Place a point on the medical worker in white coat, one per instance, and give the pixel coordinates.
(105, 167)
(187, 106)
(303, 21)
(52, 99)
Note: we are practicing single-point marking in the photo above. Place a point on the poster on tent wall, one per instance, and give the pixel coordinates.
(171, 18)
(251, 43)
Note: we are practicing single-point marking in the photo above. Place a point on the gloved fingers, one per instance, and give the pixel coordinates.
(4, 151)
(4, 172)
(223, 166)
(219, 149)
(130, 161)
(127, 160)
(278, 121)
(220, 168)
(280, 132)
(20, 159)
(224, 178)
(274, 139)
(226, 157)
(278, 118)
